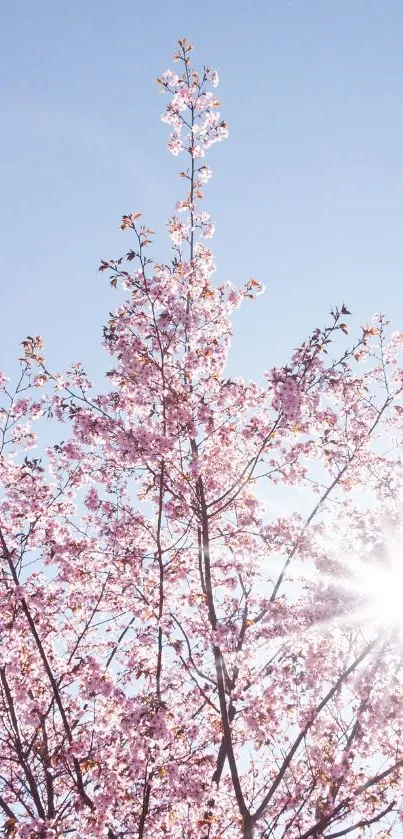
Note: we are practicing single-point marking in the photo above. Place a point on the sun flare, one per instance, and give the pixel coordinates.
(382, 587)
(367, 586)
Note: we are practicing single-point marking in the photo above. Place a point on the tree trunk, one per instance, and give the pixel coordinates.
(248, 828)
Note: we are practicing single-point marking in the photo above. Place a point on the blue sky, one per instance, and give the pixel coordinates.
(307, 193)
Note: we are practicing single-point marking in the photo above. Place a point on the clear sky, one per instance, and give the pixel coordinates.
(307, 194)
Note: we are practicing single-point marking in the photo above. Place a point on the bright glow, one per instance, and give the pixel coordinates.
(371, 588)
(383, 587)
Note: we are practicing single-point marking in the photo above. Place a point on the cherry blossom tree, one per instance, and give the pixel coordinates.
(200, 586)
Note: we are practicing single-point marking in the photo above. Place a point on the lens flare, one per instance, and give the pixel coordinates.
(382, 587)
(363, 587)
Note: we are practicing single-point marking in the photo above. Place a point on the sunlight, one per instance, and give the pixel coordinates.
(383, 587)
(377, 581)
(370, 587)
